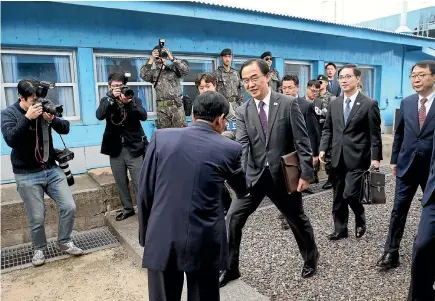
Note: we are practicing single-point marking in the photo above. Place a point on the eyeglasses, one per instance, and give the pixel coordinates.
(253, 79)
(420, 76)
(347, 77)
(267, 59)
(116, 86)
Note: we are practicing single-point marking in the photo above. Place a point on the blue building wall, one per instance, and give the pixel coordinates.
(391, 23)
(86, 29)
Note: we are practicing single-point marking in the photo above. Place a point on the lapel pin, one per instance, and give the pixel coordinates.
(275, 103)
(357, 103)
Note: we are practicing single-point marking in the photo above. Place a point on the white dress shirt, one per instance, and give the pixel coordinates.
(352, 100)
(266, 101)
(428, 102)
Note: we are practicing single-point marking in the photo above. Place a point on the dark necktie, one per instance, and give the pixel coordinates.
(422, 112)
(263, 117)
(347, 110)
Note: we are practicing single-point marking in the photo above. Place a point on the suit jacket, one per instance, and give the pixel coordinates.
(334, 87)
(130, 133)
(429, 192)
(409, 141)
(181, 216)
(286, 133)
(312, 123)
(359, 140)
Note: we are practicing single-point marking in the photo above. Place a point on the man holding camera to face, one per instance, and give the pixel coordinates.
(166, 80)
(124, 139)
(26, 127)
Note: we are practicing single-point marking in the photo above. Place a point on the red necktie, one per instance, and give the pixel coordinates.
(422, 112)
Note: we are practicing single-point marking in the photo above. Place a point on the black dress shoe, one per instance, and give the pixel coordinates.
(310, 270)
(227, 276)
(124, 215)
(337, 235)
(389, 261)
(360, 231)
(327, 185)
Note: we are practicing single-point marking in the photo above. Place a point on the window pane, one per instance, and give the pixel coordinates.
(145, 93)
(107, 65)
(16, 67)
(63, 96)
(59, 96)
(237, 65)
(367, 81)
(196, 67)
(11, 95)
(190, 91)
(302, 71)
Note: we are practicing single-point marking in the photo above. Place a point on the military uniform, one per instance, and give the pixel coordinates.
(321, 106)
(229, 85)
(170, 110)
(275, 81)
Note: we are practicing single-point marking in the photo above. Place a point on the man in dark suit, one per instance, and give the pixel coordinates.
(423, 259)
(353, 130)
(411, 155)
(333, 84)
(181, 217)
(270, 125)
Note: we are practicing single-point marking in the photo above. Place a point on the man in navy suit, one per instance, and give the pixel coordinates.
(411, 155)
(181, 217)
(333, 84)
(423, 259)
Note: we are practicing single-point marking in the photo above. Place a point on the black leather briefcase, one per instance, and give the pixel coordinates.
(373, 187)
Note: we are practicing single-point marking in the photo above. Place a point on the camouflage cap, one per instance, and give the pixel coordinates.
(322, 77)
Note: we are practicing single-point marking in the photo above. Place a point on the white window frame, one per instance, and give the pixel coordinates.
(190, 57)
(305, 63)
(122, 55)
(72, 58)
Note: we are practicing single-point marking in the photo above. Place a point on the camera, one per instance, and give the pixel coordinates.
(47, 105)
(62, 158)
(125, 90)
(162, 54)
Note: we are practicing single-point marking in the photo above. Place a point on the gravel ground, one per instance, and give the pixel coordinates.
(270, 260)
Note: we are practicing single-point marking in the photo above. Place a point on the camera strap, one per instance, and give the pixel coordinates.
(158, 76)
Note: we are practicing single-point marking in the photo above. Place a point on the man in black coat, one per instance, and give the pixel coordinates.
(124, 139)
(181, 216)
(270, 125)
(353, 130)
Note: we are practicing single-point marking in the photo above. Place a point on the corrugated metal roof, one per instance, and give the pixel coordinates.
(308, 19)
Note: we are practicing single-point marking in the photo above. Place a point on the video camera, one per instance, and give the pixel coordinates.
(47, 105)
(125, 90)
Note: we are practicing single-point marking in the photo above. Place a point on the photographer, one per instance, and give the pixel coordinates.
(26, 128)
(166, 80)
(124, 139)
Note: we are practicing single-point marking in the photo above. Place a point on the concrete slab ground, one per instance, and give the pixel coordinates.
(127, 232)
(109, 274)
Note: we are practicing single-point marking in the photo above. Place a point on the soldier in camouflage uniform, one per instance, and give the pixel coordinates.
(228, 80)
(321, 103)
(170, 111)
(275, 81)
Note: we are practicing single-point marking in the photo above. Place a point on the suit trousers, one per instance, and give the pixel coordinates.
(168, 285)
(423, 259)
(347, 186)
(125, 161)
(289, 205)
(406, 187)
